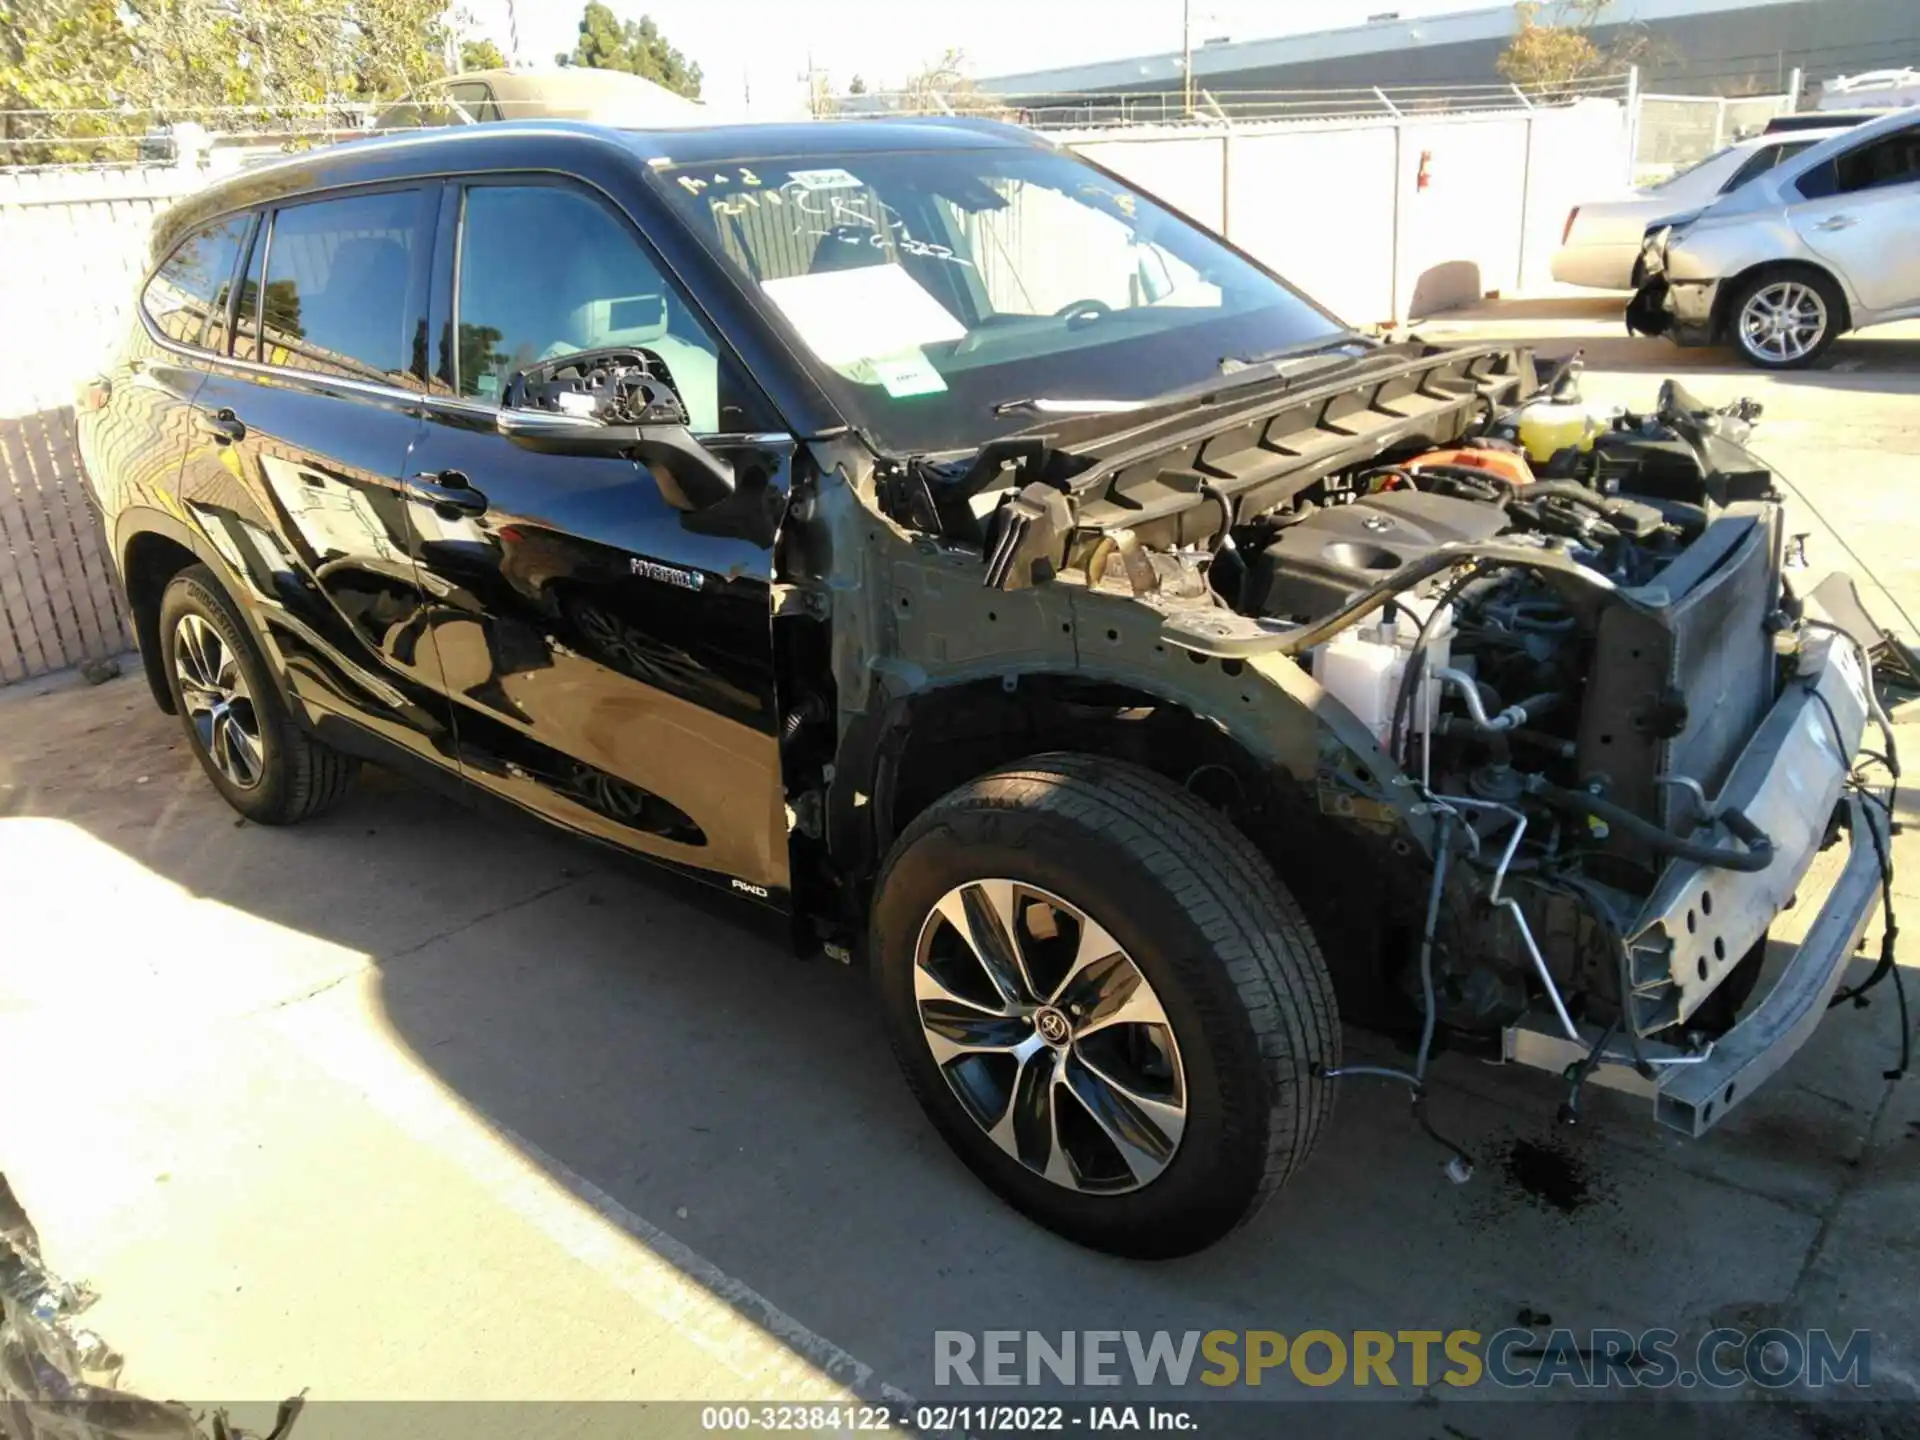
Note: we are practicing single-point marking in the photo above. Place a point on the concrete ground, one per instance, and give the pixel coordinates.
(408, 1104)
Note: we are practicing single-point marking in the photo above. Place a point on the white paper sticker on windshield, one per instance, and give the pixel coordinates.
(847, 316)
(909, 374)
(832, 179)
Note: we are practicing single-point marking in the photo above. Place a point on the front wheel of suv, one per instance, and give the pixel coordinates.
(264, 765)
(1107, 1003)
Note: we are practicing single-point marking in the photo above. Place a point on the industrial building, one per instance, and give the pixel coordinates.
(1724, 47)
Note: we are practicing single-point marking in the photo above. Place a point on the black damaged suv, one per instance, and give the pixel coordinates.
(923, 531)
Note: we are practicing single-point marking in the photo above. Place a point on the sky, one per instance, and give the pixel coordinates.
(768, 44)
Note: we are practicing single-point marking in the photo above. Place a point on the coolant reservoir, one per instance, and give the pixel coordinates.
(1550, 426)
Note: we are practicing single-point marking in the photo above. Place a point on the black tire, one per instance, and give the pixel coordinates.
(1833, 307)
(1220, 941)
(297, 776)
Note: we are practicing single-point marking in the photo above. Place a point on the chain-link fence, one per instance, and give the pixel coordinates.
(95, 138)
(225, 137)
(1675, 131)
(1202, 106)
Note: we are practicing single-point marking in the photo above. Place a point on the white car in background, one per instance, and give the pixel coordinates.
(1876, 87)
(1600, 244)
(565, 92)
(1825, 242)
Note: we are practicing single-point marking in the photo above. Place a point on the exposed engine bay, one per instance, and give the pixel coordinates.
(1581, 687)
(1574, 660)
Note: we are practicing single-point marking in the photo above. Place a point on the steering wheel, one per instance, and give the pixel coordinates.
(1083, 311)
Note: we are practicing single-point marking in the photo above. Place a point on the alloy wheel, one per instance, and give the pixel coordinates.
(1050, 1036)
(1783, 321)
(218, 702)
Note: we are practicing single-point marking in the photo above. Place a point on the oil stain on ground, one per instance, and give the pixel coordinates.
(1547, 1174)
(1561, 1177)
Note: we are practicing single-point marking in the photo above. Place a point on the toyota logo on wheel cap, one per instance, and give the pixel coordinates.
(1052, 1026)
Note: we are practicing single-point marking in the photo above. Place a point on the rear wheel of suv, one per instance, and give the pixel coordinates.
(1786, 319)
(1105, 1000)
(264, 765)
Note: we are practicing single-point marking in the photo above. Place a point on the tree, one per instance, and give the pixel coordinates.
(58, 57)
(145, 63)
(399, 45)
(857, 85)
(635, 46)
(821, 101)
(1550, 54)
(945, 85)
(481, 55)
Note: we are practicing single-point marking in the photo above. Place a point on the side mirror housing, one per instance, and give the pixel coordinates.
(690, 476)
(615, 403)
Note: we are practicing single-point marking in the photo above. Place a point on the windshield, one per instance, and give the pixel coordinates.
(928, 287)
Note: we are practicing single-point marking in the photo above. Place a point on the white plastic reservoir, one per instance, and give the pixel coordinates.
(1363, 667)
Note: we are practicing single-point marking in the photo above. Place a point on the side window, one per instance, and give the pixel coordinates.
(338, 290)
(1819, 182)
(192, 285)
(1891, 160)
(546, 271)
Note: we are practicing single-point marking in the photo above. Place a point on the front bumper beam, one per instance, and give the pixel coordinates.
(1693, 1091)
(1691, 1097)
(1699, 922)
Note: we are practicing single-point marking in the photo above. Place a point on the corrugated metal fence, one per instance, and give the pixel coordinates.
(72, 248)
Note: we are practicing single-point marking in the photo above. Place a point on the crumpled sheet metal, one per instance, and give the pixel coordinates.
(58, 1379)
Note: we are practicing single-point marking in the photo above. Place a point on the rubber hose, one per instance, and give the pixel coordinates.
(1756, 857)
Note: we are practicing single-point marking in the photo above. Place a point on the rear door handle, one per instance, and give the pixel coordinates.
(447, 491)
(223, 425)
(1836, 222)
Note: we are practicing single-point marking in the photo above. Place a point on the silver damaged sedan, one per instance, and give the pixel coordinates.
(1825, 243)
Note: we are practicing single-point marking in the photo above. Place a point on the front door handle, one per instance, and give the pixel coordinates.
(1836, 222)
(448, 491)
(223, 425)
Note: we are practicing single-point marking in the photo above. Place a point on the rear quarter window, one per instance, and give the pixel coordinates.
(341, 292)
(193, 285)
(1763, 159)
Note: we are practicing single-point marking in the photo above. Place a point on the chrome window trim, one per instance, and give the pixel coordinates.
(311, 379)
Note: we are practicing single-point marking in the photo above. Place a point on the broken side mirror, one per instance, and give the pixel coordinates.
(615, 402)
(690, 476)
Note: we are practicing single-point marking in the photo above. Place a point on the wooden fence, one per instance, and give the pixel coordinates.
(73, 246)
